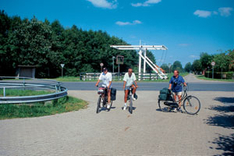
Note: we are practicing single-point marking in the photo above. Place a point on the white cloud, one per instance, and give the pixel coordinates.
(202, 13)
(104, 4)
(193, 56)
(215, 13)
(146, 3)
(225, 11)
(128, 23)
(183, 44)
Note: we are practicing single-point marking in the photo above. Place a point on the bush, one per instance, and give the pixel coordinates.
(219, 75)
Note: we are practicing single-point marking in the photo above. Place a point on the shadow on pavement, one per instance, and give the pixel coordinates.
(224, 119)
(225, 100)
(225, 143)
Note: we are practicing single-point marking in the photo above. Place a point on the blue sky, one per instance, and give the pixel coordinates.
(186, 27)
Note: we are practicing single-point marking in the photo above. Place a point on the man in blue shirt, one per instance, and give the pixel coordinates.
(175, 85)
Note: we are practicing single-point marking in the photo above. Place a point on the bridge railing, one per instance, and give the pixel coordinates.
(119, 77)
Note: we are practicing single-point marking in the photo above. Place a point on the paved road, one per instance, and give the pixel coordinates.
(194, 85)
(147, 131)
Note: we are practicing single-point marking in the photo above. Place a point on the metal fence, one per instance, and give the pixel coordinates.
(54, 90)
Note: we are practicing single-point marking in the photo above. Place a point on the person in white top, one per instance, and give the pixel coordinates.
(106, 78)
(129, 81)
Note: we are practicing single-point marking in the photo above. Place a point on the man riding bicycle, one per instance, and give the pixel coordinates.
(175, 85)
(129, 81)
(106, 78)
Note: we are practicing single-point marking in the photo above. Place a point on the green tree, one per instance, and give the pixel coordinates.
(196, 66)
(31, 41)
(177, 66)
(188, 67)
(205, 60)
(165, 67)
(47, 45)
(222, 62)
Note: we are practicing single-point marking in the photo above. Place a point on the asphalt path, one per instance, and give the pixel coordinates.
(155, 86)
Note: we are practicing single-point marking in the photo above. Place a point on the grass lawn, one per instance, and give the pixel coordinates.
(15, 92)
(65, 104)
(210, 79)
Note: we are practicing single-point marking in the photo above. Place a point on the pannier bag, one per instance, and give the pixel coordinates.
(164, 94)
(113, 94)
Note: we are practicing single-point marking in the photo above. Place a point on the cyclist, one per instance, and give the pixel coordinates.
(106, 78)
(175, 85)
(129, 81)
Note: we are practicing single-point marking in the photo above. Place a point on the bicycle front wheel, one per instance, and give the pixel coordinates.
(98, 104)
(130, 105)
(192, 105)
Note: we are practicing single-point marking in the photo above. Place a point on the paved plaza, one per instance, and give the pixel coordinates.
(147, 131)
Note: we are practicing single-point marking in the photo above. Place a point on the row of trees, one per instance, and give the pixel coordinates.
(47, 45)
(175, 66)
(224, 62)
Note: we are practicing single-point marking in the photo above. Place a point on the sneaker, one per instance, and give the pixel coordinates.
(133, 98)
(125, 107)
(108, 106)
(174, 110)
(179, 110)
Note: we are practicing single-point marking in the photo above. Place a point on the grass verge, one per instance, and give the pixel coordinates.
(210, 79)
(65, 104)
(17, 92)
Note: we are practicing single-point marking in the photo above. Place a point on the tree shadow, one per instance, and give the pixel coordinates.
(225, 143)
(223, 109)
(224, 119)
(225, 100)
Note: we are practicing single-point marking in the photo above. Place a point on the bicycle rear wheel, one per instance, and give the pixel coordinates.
(130, 105)
(162, 107)
(192, 105)
(98, 104)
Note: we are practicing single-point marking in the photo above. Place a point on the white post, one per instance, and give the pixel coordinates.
(139, 70)
(144, 69)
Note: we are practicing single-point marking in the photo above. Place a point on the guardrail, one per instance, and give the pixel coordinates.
(24, 83)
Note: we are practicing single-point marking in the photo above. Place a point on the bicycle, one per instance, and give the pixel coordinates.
(103, 99)
(191, 104)
(130, 99)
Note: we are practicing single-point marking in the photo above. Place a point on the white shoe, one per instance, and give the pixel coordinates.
(125, 107)
(174, 110)
(133, 98)
(108, 106)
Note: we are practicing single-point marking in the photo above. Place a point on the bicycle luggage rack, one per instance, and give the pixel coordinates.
(59, 91)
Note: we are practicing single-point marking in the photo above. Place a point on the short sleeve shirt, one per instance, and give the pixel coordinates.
(106, 78)
(129, 80)
(176, 83)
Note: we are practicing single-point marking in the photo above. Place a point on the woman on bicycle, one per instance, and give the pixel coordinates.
(129, 81)
(175, 85)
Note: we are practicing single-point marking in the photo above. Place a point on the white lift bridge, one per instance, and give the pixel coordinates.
(142, 49)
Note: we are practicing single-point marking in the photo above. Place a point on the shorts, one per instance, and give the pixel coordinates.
(128, 87)
(177, 93)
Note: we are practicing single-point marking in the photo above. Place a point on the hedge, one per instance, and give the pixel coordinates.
(219, 75)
